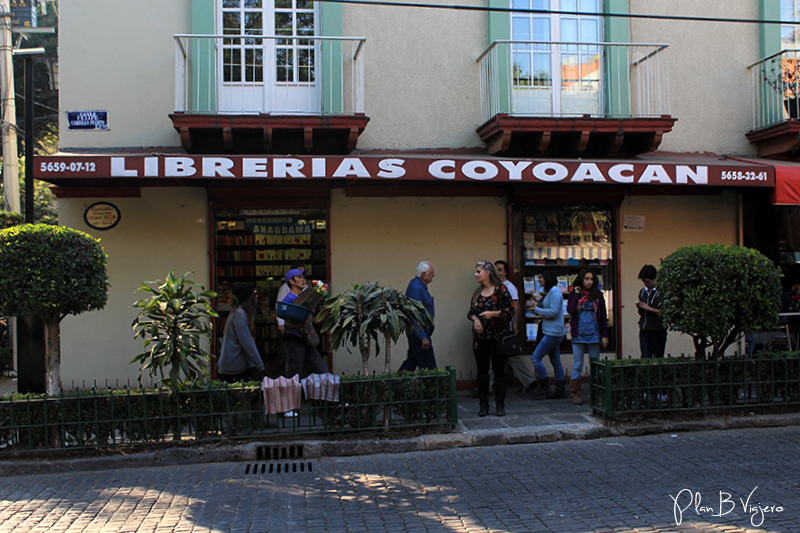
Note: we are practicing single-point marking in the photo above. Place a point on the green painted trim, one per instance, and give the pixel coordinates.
(331, 24)
(500, 29)
(769, 34)
(617, 30)
(202, 72)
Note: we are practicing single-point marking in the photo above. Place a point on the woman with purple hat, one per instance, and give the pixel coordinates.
(240, 360)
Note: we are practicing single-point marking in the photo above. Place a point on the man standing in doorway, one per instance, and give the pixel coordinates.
(521, 364)
(420, 349)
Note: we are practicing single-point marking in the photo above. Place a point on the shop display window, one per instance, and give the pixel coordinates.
(258, 246)
(567, 239)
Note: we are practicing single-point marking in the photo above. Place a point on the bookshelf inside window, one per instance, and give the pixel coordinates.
(567, 240)
(258, 246)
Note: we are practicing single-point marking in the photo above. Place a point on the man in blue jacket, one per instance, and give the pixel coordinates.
(420, 349)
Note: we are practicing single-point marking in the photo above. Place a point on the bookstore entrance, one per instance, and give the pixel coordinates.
(566, 239)
(259, 246)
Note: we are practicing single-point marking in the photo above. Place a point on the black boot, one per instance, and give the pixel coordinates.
(543, 391)
(500, 396)
(483, 394)
(559, 392)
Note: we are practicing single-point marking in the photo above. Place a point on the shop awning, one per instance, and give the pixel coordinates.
(787, 184)
(654, 169)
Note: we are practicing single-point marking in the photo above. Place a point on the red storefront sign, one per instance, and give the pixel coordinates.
(463, 169)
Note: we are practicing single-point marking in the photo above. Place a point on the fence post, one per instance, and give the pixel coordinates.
(453, 396)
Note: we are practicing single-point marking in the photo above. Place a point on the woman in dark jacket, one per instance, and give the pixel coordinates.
(588, 325)
(490, 311)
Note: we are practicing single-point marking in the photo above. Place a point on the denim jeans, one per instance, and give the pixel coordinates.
(578, 349)
(548, 346)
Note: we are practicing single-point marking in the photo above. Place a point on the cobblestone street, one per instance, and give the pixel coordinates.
(612, 485)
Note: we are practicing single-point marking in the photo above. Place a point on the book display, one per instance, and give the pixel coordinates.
(258, 246)
(567, 240)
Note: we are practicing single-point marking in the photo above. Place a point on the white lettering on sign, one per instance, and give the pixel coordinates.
(436, 169)
(319, 167)
(118, 169)
(391, 168)
(282, 168)
(217, 166)
(683, 174)
(654, 173)
(550, 171)
(214, 167)
(515, 169)
(351, 166)
(616, 173)
(588, 172)
(479, 170)
(179, 167)
(255, 167)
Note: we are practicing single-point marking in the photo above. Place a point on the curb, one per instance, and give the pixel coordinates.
(460, 438)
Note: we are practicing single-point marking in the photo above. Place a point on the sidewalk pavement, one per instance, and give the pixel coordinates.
(526, 421)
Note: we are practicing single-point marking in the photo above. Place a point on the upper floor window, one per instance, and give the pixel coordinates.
(273, 69)
(790, 33)
(557, 61)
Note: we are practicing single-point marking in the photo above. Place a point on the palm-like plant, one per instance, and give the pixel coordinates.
(172, 323)
(357, 316)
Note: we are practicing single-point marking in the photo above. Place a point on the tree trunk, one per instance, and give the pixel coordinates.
(387, 368)
(52, 357)
(365, 349)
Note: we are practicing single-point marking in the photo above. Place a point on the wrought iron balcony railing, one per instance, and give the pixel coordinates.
(563, 79)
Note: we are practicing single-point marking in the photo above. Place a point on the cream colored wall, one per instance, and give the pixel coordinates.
(120, 58)
(710, 88)
(421, 77)
(670, 222)
(166, 229)
(383, 239)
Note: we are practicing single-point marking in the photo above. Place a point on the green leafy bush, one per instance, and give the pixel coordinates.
(716, 293)
(172, 323)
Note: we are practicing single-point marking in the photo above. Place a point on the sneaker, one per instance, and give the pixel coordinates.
(289, 414)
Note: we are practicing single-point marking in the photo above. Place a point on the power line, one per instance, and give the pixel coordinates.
(456, 7)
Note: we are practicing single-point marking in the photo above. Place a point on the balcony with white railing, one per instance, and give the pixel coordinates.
(573, 98)
(264, 94)
(776, 96)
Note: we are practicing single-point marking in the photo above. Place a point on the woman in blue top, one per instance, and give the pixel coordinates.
(551, 309)
(588, 325)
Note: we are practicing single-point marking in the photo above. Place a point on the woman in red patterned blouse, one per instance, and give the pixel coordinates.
(490, 311)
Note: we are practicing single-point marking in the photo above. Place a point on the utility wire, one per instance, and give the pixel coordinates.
(456, 7)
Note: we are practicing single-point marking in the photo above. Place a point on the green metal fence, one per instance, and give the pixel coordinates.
(104, 418)
(684, 384)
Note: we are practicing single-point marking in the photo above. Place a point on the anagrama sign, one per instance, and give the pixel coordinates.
(403, 169)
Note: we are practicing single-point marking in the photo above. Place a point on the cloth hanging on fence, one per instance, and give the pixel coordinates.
(281, 395)
(322, 387)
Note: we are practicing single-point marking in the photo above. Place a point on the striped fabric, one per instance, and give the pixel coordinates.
(322, 387)
(281, 395)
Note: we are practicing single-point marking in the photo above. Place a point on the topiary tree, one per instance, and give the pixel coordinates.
(52, 272)
(716, 293)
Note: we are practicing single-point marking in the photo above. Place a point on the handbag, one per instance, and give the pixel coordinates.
(508, 343)
(310, 334)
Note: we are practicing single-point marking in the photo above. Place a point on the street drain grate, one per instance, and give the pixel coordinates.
(279, 460)
(278, 468)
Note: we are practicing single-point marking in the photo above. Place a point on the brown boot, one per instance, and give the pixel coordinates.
(576, 392)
